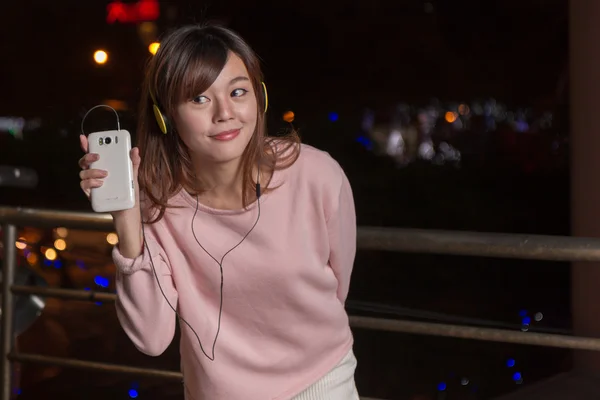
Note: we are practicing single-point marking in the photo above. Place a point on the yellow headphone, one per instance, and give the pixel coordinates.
(163, 122)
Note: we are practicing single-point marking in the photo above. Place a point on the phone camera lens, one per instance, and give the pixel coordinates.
(107, 140)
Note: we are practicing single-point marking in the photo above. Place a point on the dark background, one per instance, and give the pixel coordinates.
(321, 57)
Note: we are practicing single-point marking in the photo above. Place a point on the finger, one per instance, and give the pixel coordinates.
(135, 156)
(135, 160)
(92, 174)
(88, 159)
(88, 184)
(83, 142)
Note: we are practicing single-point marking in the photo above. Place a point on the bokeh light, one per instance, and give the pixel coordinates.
(100, 57)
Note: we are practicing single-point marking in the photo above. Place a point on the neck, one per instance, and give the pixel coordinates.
(221, 183)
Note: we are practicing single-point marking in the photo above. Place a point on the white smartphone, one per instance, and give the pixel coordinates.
(118, 191)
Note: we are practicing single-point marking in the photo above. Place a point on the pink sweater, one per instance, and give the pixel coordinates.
(283, 325)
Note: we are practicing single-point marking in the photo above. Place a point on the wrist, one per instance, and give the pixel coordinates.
(128, 226)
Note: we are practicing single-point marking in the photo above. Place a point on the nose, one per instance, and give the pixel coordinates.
(223, 110)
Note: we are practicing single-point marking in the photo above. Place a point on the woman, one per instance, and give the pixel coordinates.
(251, 239)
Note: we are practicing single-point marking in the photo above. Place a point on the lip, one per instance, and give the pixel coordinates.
(226, 135)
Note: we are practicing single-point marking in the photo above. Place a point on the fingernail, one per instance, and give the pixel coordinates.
(104, 173)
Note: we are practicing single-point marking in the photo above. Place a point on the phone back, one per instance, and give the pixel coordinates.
(118, 190)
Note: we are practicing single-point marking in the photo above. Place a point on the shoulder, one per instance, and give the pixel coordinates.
(318, 165)
(322, 158)
(315, 177)
(295, 162)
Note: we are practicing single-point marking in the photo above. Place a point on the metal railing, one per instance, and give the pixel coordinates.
(535, 247)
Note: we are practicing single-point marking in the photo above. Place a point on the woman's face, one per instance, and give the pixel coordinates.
(217, 125)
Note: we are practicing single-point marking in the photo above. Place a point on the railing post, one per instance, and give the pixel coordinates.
(8, 274)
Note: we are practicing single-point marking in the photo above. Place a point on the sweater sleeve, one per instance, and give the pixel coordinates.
(341, 226)
(142, 307)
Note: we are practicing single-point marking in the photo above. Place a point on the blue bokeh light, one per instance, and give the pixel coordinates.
(133, 393)
(441, 386)
(333, 116)
(365, 141)
(101, 281)
(517, 376)
(510, 362)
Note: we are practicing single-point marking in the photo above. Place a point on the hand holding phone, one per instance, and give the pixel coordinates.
(109, 171)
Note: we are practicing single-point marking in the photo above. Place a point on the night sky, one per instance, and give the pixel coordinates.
(321, 56)
(344, 54)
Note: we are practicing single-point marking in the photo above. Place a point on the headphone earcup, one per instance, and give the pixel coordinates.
(162, 121)
(266, 96)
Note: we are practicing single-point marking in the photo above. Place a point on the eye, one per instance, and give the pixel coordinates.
(200, 100)
(239, 92)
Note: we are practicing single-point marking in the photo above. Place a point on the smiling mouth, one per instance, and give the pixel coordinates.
(226, 135)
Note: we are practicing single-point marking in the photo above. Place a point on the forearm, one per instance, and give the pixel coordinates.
(145, 294)
(144, 313)
(128, 226)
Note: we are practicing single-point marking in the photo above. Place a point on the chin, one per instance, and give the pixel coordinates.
(226, 158)
(224, 152)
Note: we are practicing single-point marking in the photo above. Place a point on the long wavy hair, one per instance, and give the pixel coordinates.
(186, 64)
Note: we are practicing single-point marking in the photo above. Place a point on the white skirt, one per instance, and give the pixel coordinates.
(338, 384)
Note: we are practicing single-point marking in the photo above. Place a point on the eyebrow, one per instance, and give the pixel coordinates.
(238, 79)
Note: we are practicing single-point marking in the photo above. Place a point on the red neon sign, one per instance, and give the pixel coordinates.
(142, 10)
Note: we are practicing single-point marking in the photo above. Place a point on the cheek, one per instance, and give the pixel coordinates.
(248, 114)
(190, 125)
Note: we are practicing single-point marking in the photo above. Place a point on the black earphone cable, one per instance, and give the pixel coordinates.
(147, 248)
(211, 256)
(221, 269)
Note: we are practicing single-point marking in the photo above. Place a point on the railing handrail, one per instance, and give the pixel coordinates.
(483, 244)
(466, 243)
(22, 216)
(382, 324)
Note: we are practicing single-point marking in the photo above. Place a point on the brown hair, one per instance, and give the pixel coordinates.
(187, 63)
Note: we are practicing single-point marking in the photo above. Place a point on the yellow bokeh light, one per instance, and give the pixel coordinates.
(32, 258)
(60, 244)
(50, 254)
(118, 105)
(153, 48)
(101, 57)
(450, 117)
(20, 243)
(112, 238)
(288, 116)
(62, 232)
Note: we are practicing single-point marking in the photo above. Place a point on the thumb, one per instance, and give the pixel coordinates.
(135, 158)
(83, 142)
